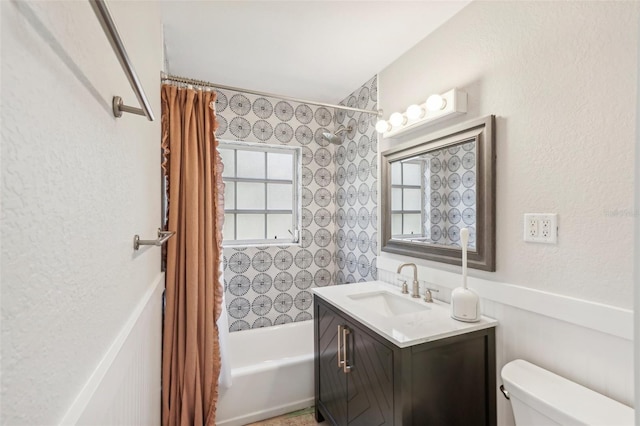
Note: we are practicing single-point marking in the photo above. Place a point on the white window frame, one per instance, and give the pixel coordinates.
(296, 207)
(402, 186)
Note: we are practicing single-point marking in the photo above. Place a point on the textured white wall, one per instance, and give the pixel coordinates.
(636, 277)
(77, 184)
(561, 79)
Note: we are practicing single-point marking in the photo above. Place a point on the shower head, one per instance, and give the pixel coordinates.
(334, 138)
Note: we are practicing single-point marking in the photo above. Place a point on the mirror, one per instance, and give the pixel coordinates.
(436, 185)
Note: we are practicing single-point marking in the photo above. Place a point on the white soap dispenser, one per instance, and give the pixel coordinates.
(465, 303)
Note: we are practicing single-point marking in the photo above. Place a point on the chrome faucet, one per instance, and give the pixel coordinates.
(416, 286)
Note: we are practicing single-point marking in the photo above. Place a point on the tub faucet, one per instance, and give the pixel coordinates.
(416, 286)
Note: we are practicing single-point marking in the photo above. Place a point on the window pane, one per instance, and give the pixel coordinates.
(396, 224)
(250, 227)
(278, 226)
(227, 229)
(257, 164)
(250, 164)
(396, 177)
(250, 196)
(412, 224)
(396, 198)
(227, 160)
(279, 166)
(411, 174)
(412, 199)
(279, 196)
(229, 196)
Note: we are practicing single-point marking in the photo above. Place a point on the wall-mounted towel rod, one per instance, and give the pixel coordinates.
(110, 30)
(163, 236)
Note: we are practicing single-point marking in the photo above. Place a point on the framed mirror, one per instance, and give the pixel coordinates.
(436, 185)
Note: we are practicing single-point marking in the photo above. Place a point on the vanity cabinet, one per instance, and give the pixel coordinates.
(354, 372)
(363, 379)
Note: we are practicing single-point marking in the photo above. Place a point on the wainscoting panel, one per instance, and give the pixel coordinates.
(125, 387)
(586, 342)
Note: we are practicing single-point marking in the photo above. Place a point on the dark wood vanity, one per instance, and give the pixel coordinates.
(361, 378)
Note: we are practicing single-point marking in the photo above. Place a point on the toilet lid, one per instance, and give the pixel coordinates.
(560, 399)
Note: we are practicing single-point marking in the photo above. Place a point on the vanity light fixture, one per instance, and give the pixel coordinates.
(382, 126)
(435, 103)
(436, 108)
(415, 112)
(397, 119)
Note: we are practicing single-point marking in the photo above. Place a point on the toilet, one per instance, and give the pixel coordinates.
(539, 398)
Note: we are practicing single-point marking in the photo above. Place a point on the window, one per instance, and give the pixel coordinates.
(407, 189)
(261, 194)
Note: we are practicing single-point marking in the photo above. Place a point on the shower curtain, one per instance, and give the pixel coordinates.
(224, 382)
(191, 349)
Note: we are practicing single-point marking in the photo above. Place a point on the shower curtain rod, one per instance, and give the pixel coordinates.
(178, 79)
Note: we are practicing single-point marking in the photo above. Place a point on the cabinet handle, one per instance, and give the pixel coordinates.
(345, 367)
(339, 335)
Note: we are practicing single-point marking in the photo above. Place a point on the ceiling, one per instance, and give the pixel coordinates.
(314, 50)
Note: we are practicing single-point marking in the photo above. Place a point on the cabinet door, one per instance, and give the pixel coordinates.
(369, 381)
(332, 383)
(453, 382)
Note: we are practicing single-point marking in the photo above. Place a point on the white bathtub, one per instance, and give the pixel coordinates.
(272, 373)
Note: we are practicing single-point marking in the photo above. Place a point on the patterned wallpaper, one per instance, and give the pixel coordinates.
(452, 204)
(271, 285)
(356, 178)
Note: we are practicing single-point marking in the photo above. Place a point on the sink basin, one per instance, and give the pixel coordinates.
(387, 304)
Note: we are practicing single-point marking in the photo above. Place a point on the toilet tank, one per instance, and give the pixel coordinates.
(540, 397)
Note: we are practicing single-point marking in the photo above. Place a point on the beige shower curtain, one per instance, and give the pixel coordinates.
(191, 352)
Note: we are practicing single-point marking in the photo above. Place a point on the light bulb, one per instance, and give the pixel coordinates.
(415, 112)
(382, 126)
(397, 119)
(436, 103)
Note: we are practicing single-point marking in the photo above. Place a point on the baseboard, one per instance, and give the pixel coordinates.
(115, 368)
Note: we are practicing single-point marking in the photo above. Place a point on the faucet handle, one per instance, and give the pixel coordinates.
(405, 286)
(427, 294)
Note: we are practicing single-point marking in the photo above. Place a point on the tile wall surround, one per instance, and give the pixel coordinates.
(356, 183)
(270, 285)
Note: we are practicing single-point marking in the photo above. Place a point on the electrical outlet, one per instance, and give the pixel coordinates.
(545, 228)
(541, 228)
(532, 226)
(549, 228)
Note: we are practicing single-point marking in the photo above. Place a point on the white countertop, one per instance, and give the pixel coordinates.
(402, 330)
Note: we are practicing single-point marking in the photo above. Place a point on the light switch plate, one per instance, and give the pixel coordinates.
(541, 228)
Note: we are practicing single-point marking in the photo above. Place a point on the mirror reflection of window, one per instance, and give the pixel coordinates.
(433, 195)
(446, 180)
(407, 190)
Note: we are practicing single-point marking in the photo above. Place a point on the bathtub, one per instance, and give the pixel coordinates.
(272, 373)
